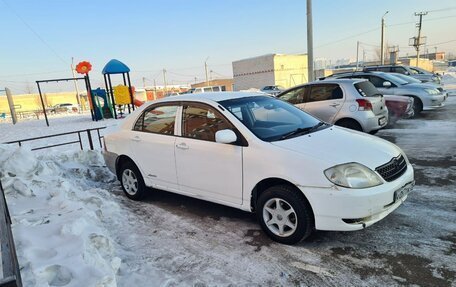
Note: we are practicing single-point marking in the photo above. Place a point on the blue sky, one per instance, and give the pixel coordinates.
(179, 35)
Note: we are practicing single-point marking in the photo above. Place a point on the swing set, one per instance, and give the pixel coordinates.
(102, 102)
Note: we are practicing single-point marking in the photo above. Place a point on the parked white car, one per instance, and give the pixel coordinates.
(263, 155)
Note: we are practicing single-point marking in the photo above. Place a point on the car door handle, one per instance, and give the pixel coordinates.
(182, 146)
(334, 105)
(136, 139)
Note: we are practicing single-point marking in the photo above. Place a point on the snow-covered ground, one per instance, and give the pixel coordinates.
(74, 227)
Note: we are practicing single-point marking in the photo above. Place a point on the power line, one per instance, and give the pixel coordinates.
(348, 37)
(34, 32)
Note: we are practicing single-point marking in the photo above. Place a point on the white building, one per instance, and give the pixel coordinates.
(271, 69)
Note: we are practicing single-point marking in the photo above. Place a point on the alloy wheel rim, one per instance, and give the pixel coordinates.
(280, 217)
(130, 182)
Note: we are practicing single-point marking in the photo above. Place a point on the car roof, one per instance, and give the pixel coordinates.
(358, 73)
(390, 65)
(211, 96)
(326, 81)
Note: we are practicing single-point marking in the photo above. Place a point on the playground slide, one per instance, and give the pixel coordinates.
(137, 103)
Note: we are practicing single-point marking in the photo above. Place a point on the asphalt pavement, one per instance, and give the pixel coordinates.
(197, 243)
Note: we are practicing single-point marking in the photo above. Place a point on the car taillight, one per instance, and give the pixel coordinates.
(364, 105)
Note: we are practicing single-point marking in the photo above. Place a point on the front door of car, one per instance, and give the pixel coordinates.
(296, 97)
(207, 168)
(378, 83)
(152, 144)
(324, 101)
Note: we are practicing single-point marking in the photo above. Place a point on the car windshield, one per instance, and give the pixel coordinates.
(271, 119)
(393, 79)
(406, 78)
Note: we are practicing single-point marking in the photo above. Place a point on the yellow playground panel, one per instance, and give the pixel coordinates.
(121, 95)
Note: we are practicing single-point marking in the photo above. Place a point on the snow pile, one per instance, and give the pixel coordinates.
(59, 219)
(449, 81)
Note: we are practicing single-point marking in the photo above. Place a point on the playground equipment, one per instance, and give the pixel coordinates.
(120, 95)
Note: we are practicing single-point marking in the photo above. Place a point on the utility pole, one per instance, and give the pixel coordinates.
(382, 45)
(144, 82)
(76, 84)
(164, 79)
(418, 39)
(310, 57)
(205, 70)
(364, 56)
(357, 55)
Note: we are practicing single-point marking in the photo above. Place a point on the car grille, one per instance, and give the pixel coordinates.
(393, 169)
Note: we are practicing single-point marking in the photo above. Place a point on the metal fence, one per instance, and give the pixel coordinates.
(10, 275)
(88, 132)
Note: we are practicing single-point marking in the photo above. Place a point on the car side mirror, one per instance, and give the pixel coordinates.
(387, 84)
(225, 136)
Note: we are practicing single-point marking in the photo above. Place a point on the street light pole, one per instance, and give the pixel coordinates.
(205, 70)
(310, 58)
(382, 45)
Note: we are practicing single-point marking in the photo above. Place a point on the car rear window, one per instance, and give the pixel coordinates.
(366, 89)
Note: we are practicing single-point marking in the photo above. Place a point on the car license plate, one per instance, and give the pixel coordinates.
(382, 121)
(403, 191)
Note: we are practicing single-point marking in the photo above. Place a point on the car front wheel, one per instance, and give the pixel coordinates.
(284, 214)
(132, 181)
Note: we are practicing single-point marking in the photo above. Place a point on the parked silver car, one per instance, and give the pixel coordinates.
(426, 97)
(351, 103)
(415, 72)
(272, 90)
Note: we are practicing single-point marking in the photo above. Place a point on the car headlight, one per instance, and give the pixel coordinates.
(432, 91)
(352, 175)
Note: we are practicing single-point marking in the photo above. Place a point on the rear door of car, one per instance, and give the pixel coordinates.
(324, 101)
(152, 143)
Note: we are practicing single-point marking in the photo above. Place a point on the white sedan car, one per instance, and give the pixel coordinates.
(263, 155)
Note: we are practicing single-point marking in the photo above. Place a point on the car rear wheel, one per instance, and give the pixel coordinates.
(132, 181)
(350, 124)
(284, 214)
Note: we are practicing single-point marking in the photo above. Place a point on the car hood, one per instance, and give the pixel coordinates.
(338, 145)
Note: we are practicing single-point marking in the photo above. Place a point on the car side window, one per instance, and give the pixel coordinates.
(158, 120)
(325, 93)
(376, 81)
(295, 96)
(202, 122)
(400, 70)
(384, 69)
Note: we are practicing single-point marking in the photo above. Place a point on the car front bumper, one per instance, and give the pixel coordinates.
(344, 209)
(434, 101)
(110, 160)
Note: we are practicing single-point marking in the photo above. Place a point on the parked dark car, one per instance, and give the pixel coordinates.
(399, 107)
(415, 72)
